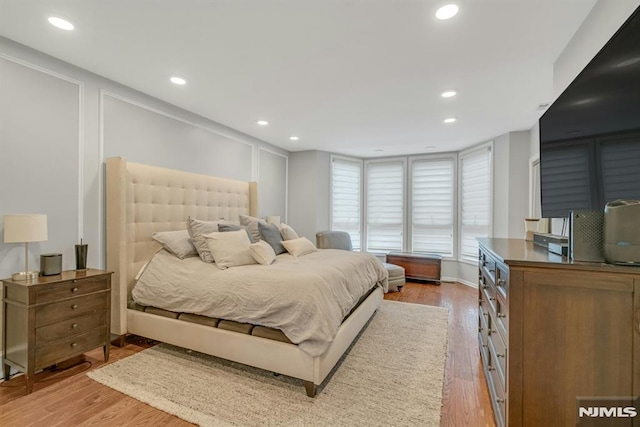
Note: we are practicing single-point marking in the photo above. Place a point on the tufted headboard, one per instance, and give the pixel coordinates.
(143, 199)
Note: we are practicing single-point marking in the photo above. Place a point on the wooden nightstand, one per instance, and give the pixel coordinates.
(53, 318)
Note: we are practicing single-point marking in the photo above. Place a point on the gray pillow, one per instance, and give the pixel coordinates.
(197, 229)
(252, 223)
(270, 233)
(176, 242)
(233, 227)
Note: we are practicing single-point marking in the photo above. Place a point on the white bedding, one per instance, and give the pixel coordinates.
(305, 297)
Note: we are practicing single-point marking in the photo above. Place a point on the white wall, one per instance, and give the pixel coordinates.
(57, 125)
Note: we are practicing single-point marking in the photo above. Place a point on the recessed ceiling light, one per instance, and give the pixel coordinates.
(61, 23)
(447, 11)
(430, 147)
(379, 150)
(262, 122)
(178, 80)
(449, 94)
(450, 120)
(294, 138)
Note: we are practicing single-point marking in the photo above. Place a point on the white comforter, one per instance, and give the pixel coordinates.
(305, 297)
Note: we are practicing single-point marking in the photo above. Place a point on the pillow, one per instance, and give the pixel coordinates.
(230, 248)
(300, 246)
(287, 232)
(271, 234)
(262, 252)
(232, 227)
(197, 230)
(176, 242)
(252, 224)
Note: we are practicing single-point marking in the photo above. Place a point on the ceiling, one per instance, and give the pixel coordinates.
(346, 76)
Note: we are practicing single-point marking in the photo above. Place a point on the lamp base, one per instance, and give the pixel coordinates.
(25, 275)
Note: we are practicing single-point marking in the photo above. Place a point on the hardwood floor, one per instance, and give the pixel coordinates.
(68, 397)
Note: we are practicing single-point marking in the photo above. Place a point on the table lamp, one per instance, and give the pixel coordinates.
(25, 229)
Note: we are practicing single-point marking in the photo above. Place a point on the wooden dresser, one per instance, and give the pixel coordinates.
(418, 266)
(551, 331)
(54, 318)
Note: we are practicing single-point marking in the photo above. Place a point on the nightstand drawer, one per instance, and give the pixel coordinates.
(69, 327)
(57, 311)
(49, 354)
(70, 289)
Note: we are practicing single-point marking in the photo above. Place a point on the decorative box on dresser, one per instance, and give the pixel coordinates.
(551, 331)
(54, 318)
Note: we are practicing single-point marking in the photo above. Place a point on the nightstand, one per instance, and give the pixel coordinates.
(53, 318)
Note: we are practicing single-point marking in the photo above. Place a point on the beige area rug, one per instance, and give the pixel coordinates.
(391, 376)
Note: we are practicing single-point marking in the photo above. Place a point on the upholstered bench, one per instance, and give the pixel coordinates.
(396, 276)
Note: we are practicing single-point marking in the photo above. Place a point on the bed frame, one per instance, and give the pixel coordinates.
(143, 199)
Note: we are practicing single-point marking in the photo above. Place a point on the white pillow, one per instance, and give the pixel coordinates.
(287, 232)
(176, 242)
(262, 252)
(230, 248)
(300, 246)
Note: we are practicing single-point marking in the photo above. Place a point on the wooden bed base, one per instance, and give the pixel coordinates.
(144, 199)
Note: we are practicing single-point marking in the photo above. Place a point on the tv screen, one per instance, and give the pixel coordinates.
(590, 136)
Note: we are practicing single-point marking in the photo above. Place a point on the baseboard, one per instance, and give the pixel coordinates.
(470, 284)
(449, 279)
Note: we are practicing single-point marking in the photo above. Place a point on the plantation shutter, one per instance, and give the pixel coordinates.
(385, 200)
(432, 206)
(346, 184)
(475, 200)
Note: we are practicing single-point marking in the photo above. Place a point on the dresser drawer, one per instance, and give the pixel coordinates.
(70, 289)
(69, 327)
(47, 355)
(496, 390)
(74, 307)
(499, 351)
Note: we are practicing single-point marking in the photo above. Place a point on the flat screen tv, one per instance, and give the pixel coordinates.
(590, 136)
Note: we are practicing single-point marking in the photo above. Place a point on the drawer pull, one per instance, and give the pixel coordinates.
(75, 325)
(74, 289)
(502, 315)
(500, 400)
(502, 282)
(74, 306)
(485, 346)
(492, 270)
(485, 314)
(484, 286)
(74, 344)
(489, 332)
(74, 281)
(480, 301)
(491, 368)
(500, 355)
(492, 299)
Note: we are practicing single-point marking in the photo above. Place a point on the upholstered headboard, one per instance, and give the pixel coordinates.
(143, 199)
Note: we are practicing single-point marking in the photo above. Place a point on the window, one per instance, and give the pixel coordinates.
(475, 200)
(432, 205)
(385, 200)
(346, 189)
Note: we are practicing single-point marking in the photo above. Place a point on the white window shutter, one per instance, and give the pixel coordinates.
(432, 203)
(346, 185)
(475, 200)
(385, 201)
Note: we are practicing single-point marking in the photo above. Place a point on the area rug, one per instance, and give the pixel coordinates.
(391, 376)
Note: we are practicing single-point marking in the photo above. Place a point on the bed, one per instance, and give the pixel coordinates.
(143, 199)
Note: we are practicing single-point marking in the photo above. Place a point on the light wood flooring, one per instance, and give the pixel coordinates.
(67, 397)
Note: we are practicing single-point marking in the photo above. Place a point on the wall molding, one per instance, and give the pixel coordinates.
(81, 142)
(286, 177)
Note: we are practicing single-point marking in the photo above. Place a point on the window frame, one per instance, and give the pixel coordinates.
(360, 162)
(409, 200)
(365, 222)
(461, 155)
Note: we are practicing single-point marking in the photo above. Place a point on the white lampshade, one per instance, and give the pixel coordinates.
(25, 228)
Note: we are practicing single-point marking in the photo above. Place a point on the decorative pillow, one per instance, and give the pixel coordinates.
(176, 242)
(230, 248)
(262, 252)
(232, 227)
(197, 229)
(287, 232)
(300, 246)
(271, 234)
(251, 222)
